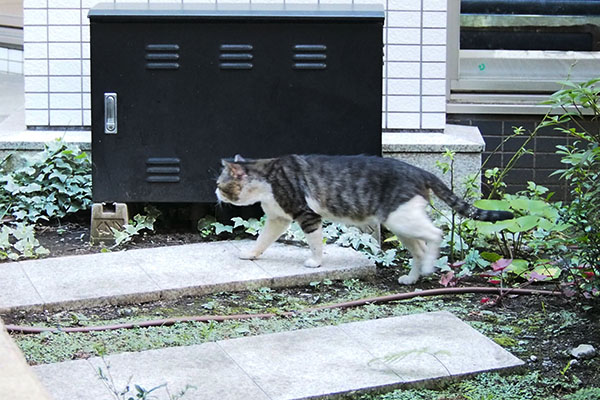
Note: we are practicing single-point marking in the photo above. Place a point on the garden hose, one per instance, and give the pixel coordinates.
(221, 318)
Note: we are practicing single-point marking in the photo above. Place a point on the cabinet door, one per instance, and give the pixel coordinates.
(190, 93)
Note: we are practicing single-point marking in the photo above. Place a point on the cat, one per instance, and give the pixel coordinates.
(358, 190)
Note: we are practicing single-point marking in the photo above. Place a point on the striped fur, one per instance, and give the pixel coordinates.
(359, 190)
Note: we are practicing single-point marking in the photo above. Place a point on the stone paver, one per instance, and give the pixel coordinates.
(165, 272)
(15, 287)
(307, 363)
(94, 277)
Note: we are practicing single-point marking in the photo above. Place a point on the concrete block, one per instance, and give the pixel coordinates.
(105, 219)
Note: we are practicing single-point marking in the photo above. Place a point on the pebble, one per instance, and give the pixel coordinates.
(547, 363)
(584, 351)
(533, 358)
(573, 363)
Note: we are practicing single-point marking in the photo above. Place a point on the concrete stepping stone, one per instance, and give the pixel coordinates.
(308, 363)
(165, 272)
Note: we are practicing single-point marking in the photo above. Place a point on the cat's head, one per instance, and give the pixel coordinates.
(242, 181)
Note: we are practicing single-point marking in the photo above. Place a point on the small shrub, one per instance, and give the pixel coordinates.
(581, 101)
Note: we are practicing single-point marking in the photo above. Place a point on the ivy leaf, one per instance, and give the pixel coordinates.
(220, 228)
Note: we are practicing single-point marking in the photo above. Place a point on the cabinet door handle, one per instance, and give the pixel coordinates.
(110, 113)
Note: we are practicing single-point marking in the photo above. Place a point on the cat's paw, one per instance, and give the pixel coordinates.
(427, 270)
(312, 263)
(407, 279)
(249, 255)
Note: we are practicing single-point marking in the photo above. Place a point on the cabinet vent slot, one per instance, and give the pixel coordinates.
(162, 56)
(236, 56)
(309, 56)
(163, 170)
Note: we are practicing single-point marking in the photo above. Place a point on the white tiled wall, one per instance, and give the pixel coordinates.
(57, 60)
(11, 61)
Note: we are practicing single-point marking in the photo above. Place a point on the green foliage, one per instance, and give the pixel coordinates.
(350, 236)
(209, 228)
(18, 241)
(581, 101)
(536, 220)
(133, 228)
(591, 393)
(51, 184)
(339, 234)
(488, 386)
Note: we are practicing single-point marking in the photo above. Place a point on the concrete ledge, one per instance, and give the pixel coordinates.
(34, 140)
(425, 149)
(464, 139)
(17, 380)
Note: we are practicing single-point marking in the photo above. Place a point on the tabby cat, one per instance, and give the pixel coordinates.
(358, 190)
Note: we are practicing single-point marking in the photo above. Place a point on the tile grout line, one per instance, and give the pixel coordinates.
(32, 284)
(241, 369)
(141, 267)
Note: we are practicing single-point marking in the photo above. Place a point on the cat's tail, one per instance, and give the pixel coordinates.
(462, 207)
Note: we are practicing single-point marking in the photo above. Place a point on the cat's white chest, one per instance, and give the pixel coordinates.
(273, 209)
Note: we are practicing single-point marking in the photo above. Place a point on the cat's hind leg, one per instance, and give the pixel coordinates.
(273, 229)
(417, 249)
(410, 221)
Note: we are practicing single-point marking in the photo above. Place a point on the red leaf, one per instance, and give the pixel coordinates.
(458, 264)
(589, 274)
(448, 279)
(484, 300)
(494, 281)
(501, 264)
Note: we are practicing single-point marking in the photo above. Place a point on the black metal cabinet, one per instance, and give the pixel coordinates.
(177, 88)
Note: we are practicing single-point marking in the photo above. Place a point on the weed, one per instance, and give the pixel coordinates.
(133, 228)
(139, 392)
(18, 241)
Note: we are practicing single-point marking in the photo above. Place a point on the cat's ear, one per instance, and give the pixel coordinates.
(235, 170)
(238, 158)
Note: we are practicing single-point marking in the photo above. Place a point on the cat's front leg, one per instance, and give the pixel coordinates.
(315, 242)
(273, 229)
(312, 226)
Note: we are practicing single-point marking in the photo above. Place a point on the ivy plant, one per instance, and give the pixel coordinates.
(50, 184)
